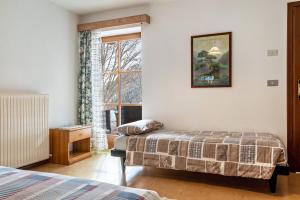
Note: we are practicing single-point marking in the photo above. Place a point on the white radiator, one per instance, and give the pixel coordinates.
(24, 132)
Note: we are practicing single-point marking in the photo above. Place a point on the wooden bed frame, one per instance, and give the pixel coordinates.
(279, 170)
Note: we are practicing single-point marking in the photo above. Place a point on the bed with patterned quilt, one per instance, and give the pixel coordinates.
(19, 184)
(239, 154)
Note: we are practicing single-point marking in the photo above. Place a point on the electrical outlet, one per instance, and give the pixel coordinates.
(272, 83)
(272, 52)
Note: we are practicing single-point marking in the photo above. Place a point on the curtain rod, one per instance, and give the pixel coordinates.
(144, 18)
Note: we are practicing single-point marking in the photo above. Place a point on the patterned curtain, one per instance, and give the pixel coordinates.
(90, 88)
(85, 79)
(99, 140)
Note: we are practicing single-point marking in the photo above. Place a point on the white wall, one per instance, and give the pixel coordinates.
(257, 25)
(136, 10)
(38, 53)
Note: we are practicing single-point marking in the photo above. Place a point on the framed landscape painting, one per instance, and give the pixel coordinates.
(211, 60)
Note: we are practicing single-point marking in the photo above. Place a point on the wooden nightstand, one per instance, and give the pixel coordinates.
(77, 138)
(111, 140)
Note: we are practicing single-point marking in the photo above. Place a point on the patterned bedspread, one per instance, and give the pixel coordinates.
(19, 184)
(248, 154)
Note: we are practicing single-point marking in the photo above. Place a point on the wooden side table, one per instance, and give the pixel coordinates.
(61, 139)
(111, 140)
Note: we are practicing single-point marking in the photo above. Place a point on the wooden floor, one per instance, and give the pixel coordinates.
(175, 184)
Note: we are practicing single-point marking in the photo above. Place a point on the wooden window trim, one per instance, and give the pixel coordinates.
(115, 38)
(123, 72)
(123, 104)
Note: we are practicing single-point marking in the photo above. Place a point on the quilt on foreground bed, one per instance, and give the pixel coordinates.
(19, 184)
(251, 155)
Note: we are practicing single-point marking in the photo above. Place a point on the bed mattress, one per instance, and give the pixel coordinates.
(120, 142)
(244, 154)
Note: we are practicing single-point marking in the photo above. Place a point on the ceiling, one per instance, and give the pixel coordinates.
(90, 6)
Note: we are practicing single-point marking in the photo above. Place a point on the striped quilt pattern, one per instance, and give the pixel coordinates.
(27, 185)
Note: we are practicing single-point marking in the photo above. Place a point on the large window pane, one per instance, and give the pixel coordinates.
(130, 53)
(122, 81)
(109, 57)
(131, 87)
(110, 84)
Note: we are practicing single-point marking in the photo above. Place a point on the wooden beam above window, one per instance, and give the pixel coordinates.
(114, 22)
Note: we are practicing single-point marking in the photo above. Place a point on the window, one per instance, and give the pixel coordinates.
(122, 76)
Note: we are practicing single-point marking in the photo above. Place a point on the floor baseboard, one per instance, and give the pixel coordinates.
(35, 164)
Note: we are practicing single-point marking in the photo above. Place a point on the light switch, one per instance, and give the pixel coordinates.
(272, 52)
(273, 83)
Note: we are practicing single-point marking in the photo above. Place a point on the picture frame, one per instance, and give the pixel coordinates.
(211, 60)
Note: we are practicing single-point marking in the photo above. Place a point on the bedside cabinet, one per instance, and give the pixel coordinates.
(70, 144)
(111, 140)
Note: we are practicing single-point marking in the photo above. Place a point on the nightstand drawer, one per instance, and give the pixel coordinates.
(80, 135)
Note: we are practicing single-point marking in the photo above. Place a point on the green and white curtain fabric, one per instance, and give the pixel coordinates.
(85, 79)
(90, 88)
